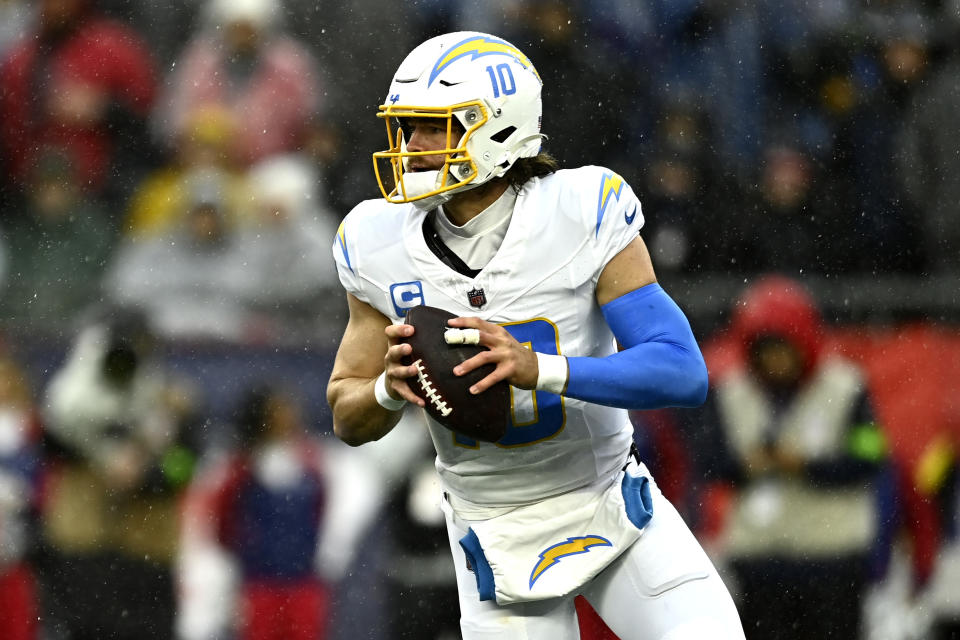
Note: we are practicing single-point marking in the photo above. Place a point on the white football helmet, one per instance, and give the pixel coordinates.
(492, 90)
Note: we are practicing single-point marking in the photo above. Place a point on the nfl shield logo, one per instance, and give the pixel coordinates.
(477, 298)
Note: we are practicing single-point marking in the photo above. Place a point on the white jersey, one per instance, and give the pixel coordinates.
(541, 286)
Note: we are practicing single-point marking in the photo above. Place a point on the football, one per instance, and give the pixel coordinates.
(448, 399)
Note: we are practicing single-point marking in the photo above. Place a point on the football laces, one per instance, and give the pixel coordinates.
(430, 391)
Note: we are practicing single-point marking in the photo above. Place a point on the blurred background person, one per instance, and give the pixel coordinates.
(162, 25)
(158, 203)
(868, 96)
(59, 243)
(927, 164)
(239, 262)
(16, 18)
(243, 61)
(712, 49)
(792, 221)
(264, 504)
(188, 279)
(289, 288)
(81, 84)
(806, 457)
(937, 602)
(119, 428)
(418, 570)
(271, 526)
(20, 490)
(692, 227)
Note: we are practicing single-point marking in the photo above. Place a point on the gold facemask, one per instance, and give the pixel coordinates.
(458, 167)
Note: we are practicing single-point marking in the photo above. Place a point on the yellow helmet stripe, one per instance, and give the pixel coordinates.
(479, 46)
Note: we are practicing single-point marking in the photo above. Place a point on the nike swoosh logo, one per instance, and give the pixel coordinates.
(633, 214)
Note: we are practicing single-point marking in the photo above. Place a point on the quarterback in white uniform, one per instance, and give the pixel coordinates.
(549, 267)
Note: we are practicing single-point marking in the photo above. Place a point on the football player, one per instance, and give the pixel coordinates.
(549, 267)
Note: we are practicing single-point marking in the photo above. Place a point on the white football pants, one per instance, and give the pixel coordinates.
(663, 588)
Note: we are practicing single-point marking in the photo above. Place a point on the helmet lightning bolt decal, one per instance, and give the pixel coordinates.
(571, 546)
(610, 184)
(477, 46)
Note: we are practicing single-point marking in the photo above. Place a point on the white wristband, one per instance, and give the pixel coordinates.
(553, 373)
(384, 399)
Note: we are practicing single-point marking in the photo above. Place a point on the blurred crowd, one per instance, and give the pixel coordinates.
(173, 175)
(226, 140)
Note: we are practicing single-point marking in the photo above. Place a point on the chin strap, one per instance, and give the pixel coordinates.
(420, 182)
(426, 204)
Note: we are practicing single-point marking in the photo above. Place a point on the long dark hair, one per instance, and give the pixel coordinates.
(524, 169)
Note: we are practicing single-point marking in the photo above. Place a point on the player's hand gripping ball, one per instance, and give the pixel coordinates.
(483, 416)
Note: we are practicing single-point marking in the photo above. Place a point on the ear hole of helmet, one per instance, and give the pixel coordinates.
(502, 135)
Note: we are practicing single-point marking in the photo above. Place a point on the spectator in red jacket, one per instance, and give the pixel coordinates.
(810, 519)
(79, 83)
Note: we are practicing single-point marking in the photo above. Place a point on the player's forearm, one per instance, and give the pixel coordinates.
(357, 416)
(648, 376)
(660, 365)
